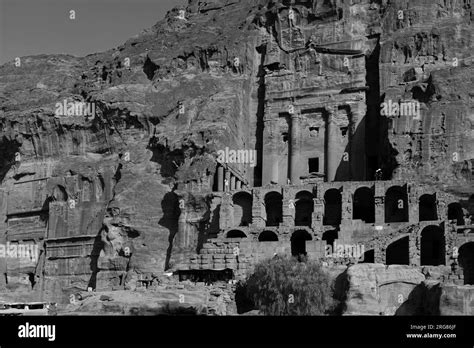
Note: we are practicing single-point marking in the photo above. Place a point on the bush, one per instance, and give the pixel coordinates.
(284, 286)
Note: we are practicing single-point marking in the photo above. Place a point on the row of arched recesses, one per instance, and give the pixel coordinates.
(303, 206)
(396, 207)
(265, 236)
(298, 239)
(432, 249)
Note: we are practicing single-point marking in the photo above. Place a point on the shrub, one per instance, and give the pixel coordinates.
(284, 286)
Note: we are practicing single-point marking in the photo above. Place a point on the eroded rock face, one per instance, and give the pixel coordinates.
(457, 300)
(126, 192)
(375, 289)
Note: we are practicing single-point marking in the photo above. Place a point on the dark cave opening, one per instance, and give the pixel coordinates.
(398, 253)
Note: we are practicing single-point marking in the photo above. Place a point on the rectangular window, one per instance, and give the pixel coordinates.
(313, 164)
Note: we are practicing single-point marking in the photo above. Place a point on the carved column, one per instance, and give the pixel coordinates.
(220, 178)
(238, 185)
(227, 181)
(274, 156)
(331, 146)
(232, 183)
(271, 138)
(295, 150)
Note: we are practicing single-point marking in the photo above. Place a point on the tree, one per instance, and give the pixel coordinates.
(284, 286)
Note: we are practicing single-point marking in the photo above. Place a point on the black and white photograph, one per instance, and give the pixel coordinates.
(187, 171)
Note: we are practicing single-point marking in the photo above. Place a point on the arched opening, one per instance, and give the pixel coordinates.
(466, 261)
(369, 257)
(332, 207)
(432, 246)
(298, 242)
(398, 253)
(455, 213)
(364, 205)
(396, 205)
(330, 237)
(242, 208)
(427, 208)
(274, 208)
(304, 209)
(268, 236)
(236, 234)
(59, 194)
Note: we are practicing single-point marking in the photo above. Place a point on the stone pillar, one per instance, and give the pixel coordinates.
(441, 207)
(289, 208)
(232, 182)
(227, 180)
(331, 146)
(413, 204)
(226, 216)
(238, 185)
(295, 150)
(379, 203)
(414, 255)
(346, 208)
(318, 213)
(181, 237)
(274, 157)
(220, 178)
(258, 210)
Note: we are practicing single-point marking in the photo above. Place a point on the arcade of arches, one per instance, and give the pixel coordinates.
(400, 224)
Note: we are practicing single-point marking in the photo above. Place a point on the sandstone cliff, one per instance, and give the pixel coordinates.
(100, 196)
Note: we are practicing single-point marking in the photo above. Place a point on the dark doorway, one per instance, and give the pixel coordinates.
(398, 253)
(455, 213)
(242, 208)
(364, 205)
(369, 257)
(298, 243)
(396, 205)
(268, 236)
(432, 246)
(332, 207)
(304, 209)
(313, 165)
(274, 208)
(427, 208)
(330, 237)
(466, 261)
